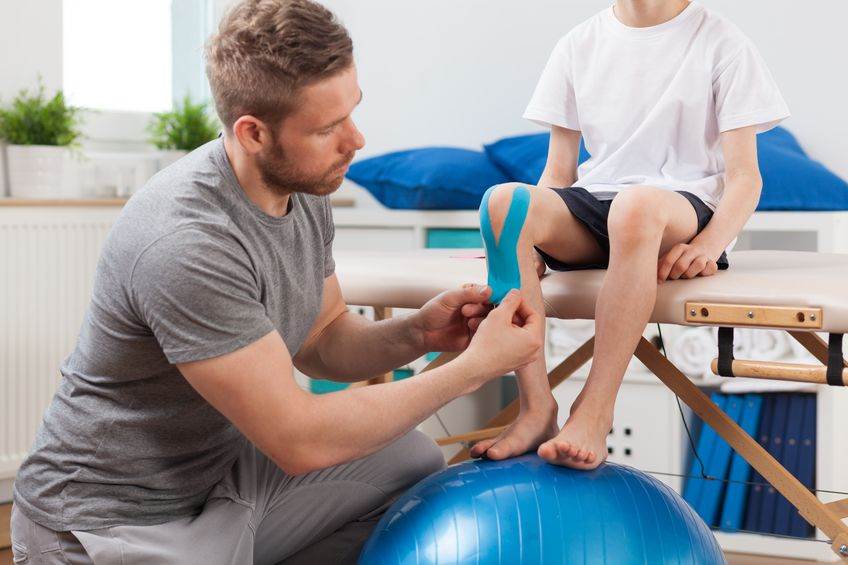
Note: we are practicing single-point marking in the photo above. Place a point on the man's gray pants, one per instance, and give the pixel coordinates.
(256, 514)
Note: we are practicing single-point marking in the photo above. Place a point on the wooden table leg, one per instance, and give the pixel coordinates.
(382, 313)
(815, 345)
(811, 508)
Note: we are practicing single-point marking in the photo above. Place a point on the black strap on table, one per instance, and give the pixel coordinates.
(835, 361)
(725, 352)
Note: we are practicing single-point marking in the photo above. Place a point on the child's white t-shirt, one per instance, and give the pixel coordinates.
(651, 102)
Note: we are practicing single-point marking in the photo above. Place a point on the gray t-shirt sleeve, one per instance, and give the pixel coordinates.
(197, 293)
(329, 236)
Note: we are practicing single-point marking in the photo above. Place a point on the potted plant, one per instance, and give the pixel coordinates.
(183, 129)
(42, 136)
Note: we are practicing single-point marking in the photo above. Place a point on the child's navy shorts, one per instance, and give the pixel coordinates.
(593, 214)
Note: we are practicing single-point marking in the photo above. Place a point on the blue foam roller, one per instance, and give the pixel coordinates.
(524, 510)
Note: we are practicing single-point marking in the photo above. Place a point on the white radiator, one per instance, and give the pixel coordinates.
(47, 262)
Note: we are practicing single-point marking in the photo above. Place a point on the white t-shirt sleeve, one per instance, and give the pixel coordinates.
(553, 102)
(746, 94)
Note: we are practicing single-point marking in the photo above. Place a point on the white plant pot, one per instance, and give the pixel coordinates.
(43, 171)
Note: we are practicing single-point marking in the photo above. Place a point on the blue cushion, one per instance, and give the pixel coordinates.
(433, 178)
(523, 157)
(791, 180)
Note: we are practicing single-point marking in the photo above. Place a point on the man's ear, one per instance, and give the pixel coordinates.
(252, 134)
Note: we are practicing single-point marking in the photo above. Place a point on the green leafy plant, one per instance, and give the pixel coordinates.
(186, 127)
(33, 119)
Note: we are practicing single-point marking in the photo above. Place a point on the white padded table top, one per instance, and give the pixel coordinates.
(408, 279)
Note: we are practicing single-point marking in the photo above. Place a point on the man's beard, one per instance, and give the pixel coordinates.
(283, 177)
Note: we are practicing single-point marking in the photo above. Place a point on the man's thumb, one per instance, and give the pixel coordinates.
(470, 293)
(509, 304)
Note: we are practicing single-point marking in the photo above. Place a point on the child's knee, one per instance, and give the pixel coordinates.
(636, 213)
(500, 199)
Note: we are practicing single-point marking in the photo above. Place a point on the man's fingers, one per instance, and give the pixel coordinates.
(468, 294)
(529, 317)
(508, 306)
(475, 310)
(523, 311)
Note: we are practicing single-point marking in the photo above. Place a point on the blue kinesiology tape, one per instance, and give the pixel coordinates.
(502, 255)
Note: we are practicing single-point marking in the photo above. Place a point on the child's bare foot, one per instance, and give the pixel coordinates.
(582, 442)
(530, 429)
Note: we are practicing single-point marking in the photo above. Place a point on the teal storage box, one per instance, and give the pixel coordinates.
(454, 238)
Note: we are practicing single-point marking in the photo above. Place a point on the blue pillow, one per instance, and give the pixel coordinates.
(791, 180)
(433, 178)
(523, 157)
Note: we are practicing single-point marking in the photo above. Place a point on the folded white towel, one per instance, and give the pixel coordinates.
(769, 345)
(693, 350)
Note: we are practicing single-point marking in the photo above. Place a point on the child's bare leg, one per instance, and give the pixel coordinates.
(643, 222)
(537, 418)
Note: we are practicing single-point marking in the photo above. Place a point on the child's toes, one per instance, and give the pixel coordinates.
(590, 458)
(497, 452)
(581, 455)
(479, 448)
(547, 451)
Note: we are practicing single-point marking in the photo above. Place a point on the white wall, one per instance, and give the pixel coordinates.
(460, 72)
(31, 44)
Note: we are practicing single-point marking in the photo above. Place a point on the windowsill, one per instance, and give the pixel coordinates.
(66, 202)
(106, 202)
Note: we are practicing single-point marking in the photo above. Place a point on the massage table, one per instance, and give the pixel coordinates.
(799, 292)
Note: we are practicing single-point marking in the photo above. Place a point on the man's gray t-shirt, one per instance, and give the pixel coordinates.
(191, 270)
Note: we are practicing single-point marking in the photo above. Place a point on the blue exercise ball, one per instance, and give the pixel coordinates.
(526, 511)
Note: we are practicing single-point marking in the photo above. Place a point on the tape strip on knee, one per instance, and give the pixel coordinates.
(501, 254)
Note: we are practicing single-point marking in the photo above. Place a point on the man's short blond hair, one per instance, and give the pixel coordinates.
(265, 51)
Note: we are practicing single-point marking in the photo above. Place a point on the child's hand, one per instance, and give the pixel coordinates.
(686, 260)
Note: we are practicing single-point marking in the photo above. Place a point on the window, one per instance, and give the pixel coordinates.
(136, 55)
(117, 54)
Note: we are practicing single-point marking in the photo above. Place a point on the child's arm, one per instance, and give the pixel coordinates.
(742, 185)
(561, 168)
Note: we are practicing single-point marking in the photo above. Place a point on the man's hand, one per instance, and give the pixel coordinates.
(509, 338)
(686, 260)
(445, 322)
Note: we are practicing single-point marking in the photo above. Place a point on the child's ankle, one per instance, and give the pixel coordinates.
(544, 404)
(590, 405)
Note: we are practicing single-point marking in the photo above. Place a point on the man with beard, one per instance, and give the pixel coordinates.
(178, 433)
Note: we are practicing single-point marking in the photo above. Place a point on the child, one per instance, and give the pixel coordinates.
(668, 97)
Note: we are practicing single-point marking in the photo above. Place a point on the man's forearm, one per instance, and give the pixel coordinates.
(353, 348)
(741, 195)
(346, 425)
